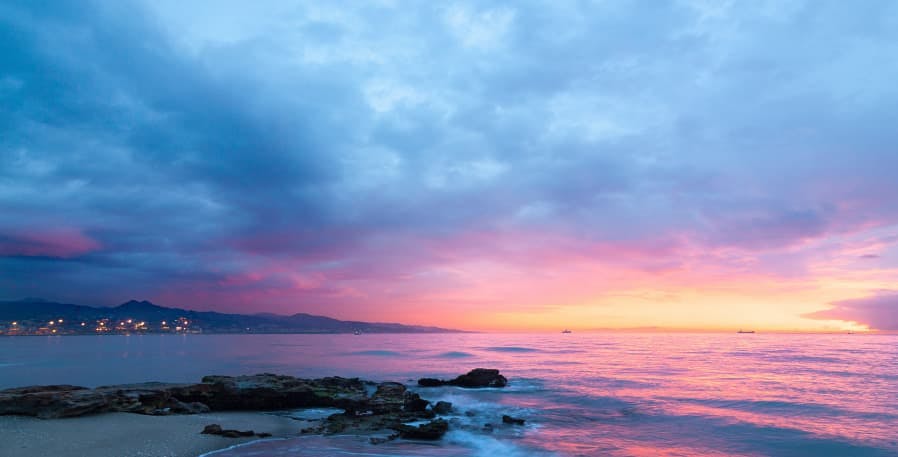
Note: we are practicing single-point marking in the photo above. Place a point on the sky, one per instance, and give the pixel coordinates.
(480, 165)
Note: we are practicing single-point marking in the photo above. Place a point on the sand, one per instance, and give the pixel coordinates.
(133, 435)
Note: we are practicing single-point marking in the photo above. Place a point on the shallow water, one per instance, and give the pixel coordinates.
(614, 394)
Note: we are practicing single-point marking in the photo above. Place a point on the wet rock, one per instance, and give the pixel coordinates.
(442, 407)
(480, 377)
(48, 402)
(216, 393)
(269, 391)
(506, 419)
(212, 429)
(237, 433)
(388, 398)
(430, 382)
(476, 378)
(414, 403)
(432, 430)
(215, 429)
(351, 423)
(388, 409)
(179, 407)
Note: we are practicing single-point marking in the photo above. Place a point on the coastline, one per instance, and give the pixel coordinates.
(158, 419)
(135, 435)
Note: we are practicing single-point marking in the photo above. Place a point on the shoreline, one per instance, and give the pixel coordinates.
(159, 419)
(136, 435)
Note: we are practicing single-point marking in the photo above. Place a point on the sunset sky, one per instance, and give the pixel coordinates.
(478, 165)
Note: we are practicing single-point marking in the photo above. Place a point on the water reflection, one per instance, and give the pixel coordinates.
(583, 394)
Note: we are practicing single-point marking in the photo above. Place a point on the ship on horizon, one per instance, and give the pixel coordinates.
(745, 331)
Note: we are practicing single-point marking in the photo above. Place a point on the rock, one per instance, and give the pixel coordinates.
(47, 402)
(215, 429)
(388, 409)
(237, 433)
(216, 393)
(432, 430)
(212, 429)
(480, 377)
(179, 407)
(476, 378)
(506, 419)
(414, 403)
(488, 428)
(430, 382)
(388, 398)
(269, 392)
(442, 407)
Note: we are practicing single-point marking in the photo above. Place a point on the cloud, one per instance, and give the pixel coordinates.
(878, 311)
(302, 154)
(61, 243)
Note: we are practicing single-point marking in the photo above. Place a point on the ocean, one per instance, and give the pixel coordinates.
(582, 394)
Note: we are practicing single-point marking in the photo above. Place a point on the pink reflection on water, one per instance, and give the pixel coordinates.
(582, 394)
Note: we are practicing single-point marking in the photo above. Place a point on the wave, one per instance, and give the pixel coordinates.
(308, 413)
(483, 445)
(376, 352)
(455, 355)
(782, 408)
(510, 349)
(318, 446)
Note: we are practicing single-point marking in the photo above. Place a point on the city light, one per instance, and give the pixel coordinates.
(132, 325)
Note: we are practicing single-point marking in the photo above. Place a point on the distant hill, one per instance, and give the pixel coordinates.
(33, 316)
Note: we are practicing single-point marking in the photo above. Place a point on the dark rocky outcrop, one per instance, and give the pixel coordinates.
(431, 382)
(212, 429)
(476, 378)
(53, 401)
(442, 407)
(391, 408)
(215, 429)
(506, 419)
(432, 430)
(216, 393)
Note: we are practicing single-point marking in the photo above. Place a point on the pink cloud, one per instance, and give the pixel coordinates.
(878, 311)
(60, 242)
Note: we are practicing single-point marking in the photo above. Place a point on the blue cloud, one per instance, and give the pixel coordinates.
(195, 142)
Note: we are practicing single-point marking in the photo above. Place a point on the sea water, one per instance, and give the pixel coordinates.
(582, 394)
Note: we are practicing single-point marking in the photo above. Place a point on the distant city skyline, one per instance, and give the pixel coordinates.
(471, 165)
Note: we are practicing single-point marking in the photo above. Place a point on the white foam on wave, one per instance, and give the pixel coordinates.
(340, 446)
(241, 445)
(308, 413)
(483, 445)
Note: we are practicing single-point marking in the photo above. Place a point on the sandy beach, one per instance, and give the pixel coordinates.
(133, 435)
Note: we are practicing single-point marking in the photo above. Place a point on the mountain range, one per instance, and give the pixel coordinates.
(31, 315)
